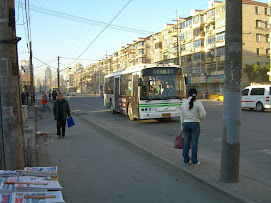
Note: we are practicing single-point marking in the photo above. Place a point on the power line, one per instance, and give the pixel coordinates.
(43, 62)
(49, 62)
(78, 59)
(102, 30)
(84, 20)
(89, 28)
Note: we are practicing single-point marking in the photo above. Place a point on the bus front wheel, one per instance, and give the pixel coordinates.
(130, 113)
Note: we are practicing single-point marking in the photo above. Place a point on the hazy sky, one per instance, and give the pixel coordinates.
(53, 36)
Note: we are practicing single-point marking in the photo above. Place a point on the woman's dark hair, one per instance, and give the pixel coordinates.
(192, 93)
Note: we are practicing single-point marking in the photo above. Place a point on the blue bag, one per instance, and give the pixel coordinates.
(70, 122)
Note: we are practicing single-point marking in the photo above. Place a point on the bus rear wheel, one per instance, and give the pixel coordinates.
(112, 108)
(130, 113)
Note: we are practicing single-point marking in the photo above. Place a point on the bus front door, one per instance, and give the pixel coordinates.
(117, 94)
(135, 96)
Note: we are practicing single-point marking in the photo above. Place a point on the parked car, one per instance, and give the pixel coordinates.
(257, 96)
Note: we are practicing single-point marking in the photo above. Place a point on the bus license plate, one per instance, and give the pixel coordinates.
(166, 115)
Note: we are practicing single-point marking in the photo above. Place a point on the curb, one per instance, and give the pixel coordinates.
(168, 164)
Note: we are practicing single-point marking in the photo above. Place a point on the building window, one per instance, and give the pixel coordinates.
(258, 39)
(197, 31)
(267, 52)
(198, 56)
(267, 38)
(158, 45)
(221, 51)
(223, 8)
(257, 23)
(210, 13)
(265, 11)
(220, 37)
(182, 36)
(141, 51)
(211, 39)
(258, 51)
(266, 25)
(182, 25)
(198, 43)
(189, 22)
(141, 43)
(183, 59)
(256, 9)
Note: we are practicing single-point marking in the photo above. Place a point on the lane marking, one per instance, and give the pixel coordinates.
(218, 139)
(265, 151)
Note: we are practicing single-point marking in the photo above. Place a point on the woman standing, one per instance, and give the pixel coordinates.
(192, 112)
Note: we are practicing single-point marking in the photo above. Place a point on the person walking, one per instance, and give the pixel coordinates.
(27, 95)
(61, 111)
(44, 101)
(50, 95)
(192, 111)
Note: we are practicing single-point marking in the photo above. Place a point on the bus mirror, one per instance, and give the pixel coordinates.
(140, 82)
(186, 80)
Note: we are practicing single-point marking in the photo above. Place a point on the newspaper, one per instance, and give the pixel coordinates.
(7, 188)
(40, 171)
(37, 197)
(4, 173)
(51, 186)
(5, 198)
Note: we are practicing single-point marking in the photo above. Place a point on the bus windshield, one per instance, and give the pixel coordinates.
(162, 85)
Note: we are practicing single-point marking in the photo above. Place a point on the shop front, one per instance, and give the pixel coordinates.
(215, 84)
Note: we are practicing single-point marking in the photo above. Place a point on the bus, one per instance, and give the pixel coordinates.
(71, 91)
(54, 89)
(146, 91)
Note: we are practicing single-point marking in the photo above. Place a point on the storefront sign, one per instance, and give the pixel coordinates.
(196, 80)
(216, 79)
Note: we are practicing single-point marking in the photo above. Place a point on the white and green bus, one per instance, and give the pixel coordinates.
(146, 91)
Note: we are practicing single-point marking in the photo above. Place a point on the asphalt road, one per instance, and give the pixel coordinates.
(96, 168)
(255, 136)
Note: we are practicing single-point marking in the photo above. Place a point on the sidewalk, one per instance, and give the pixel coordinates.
(247, 190)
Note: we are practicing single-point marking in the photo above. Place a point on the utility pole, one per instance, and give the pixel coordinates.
(178, 53)
(58, 83)
(11, 121)
(31, 75)
(230, 156)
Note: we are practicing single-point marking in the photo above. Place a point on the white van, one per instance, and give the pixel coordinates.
(257, 96)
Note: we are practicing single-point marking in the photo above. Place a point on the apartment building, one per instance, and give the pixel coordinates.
(201, 44)
(200, 41)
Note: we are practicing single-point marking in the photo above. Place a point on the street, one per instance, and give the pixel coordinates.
(95, 168)
(255, 136)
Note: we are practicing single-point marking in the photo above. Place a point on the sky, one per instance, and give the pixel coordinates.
(53, 36)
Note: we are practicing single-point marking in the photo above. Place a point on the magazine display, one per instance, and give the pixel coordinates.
(37, 197)
(40, 171)
(5, 198)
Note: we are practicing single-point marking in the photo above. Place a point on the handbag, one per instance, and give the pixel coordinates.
(179, 141)
(70, 122)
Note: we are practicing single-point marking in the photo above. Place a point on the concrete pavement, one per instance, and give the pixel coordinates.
(93, 167)
(254, 182)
